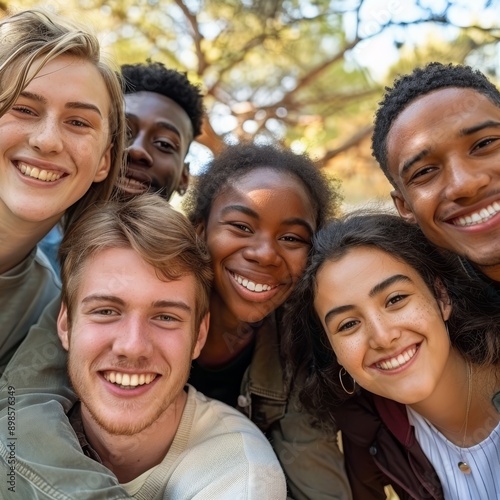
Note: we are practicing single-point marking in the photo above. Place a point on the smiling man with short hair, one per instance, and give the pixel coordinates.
(437, 139)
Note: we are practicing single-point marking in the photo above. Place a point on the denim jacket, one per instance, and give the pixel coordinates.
(310, 457)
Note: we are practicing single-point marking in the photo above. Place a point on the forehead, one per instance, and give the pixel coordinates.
(355, 274)
(268, 179)
(71, 79)
(262, 185)
(150, 107)
(122, 272)
(436, 117)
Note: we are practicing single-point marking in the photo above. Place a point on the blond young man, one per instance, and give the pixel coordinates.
(134, 314)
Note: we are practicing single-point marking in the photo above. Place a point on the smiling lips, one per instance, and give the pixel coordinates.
(129, 380)
(37, 173)
(250, 285)
(133, 185)
(397, 361)
(478, 217)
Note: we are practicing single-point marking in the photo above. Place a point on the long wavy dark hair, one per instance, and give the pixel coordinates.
(474, 323)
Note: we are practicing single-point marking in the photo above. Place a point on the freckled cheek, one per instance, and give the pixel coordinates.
(349, 352)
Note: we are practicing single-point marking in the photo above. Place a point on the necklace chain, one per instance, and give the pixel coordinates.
(462, 465)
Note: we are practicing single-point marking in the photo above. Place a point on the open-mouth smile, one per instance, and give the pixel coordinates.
(38, 173)
(478, 217)
(129, 380)
(397, 361)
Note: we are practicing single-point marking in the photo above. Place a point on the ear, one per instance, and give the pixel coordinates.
(104, 165)
(63, 326)
(184, 180)
(443, 300)
(202, 336)
(200, 230)
(402, 207)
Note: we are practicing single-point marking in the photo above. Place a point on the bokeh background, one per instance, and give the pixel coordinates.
(306, 73)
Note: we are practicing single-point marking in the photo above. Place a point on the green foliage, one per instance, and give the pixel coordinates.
(286, 70)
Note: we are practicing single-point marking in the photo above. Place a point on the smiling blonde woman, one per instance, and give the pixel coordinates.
(62, 132)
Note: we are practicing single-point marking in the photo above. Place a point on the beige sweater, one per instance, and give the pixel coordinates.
(217, 454)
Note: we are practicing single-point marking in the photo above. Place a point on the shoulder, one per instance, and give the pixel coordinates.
(235, 460)
(216, 418)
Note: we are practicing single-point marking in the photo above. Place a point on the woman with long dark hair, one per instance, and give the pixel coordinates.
(403, 348)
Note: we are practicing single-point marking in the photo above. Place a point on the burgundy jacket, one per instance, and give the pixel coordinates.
(380, 448)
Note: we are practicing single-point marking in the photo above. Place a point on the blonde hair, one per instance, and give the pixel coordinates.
(32, 38)
(147, 224)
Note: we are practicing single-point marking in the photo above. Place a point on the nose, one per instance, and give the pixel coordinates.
(133, 340)
(382, 333)
(263, 250)
(45, 136)
(138, 153)
(465, 180)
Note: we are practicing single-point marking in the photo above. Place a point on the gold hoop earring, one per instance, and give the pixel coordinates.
(342, 369)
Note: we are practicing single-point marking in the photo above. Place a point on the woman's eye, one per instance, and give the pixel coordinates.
(293, 239)
(78, 123)
(348, 325)
(396, 299)
(241, 227)
(22, 109)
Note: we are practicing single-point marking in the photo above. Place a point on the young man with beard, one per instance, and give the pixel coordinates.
(134, 314)
(437, 139)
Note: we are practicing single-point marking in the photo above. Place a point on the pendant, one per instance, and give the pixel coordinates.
(464, 467)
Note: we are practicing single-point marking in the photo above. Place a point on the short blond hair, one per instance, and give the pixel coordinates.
(161, 236)
(32, 38)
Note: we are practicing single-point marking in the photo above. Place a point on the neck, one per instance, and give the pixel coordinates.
(461, 409)
(129, 456)
(18, 238)
(492, 272)
(227, 336)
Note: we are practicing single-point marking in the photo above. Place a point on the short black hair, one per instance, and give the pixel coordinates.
(419, 82)
(155, 77)
(237, 160)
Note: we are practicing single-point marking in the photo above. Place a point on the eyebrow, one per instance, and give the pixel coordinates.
(462, 133)
(479, 127)
(414, 159)
(292, 221)
(379, 287)
(69, 105)
(158, 304)
(160, 123)
(178, 304)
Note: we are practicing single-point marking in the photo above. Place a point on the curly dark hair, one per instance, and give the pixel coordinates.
(155, 77)
(422, 81)
(474, 323)
(237, 160)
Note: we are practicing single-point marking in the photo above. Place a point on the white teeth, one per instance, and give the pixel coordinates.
(126, 380)
(36, 173)
(478, 217)
(398, 361)
(250, 285)
(127, 182)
